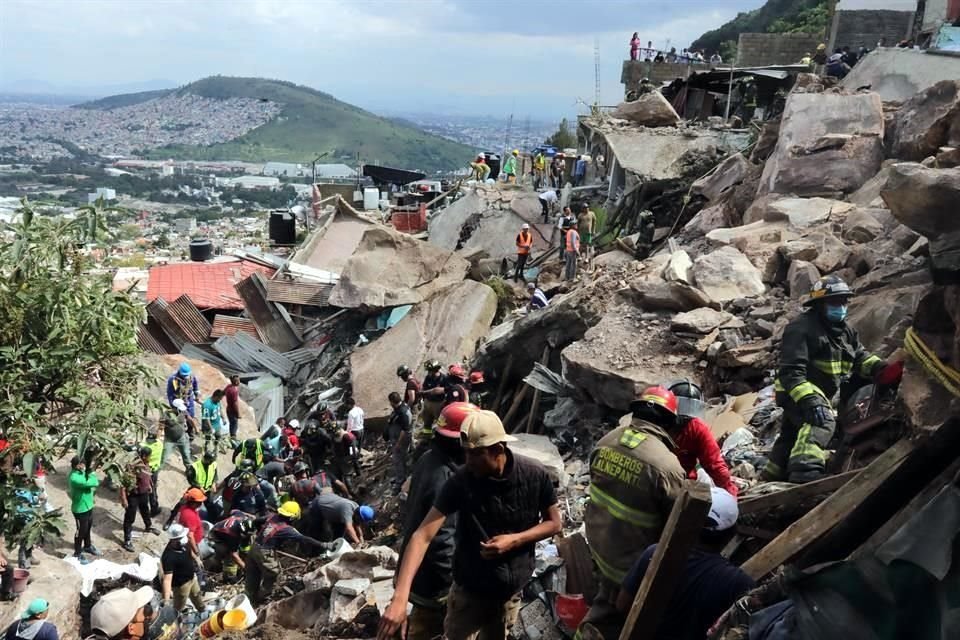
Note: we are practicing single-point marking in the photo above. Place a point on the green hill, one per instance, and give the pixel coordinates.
(122, 100)
(312, 123)
(776, 16)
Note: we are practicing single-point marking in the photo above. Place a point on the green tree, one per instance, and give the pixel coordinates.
(562, 138)
(70, 373)
(728, 51)
(163, 241)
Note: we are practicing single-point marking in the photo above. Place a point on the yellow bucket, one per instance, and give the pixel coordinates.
(234, 620)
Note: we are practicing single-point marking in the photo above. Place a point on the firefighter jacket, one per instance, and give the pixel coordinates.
(634, 480)
(817, 357)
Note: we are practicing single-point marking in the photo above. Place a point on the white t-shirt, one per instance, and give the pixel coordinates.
(355, 419)
(549, 196)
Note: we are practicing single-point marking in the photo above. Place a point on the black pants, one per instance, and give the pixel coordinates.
(521, 263)
(234, 422)
(545, 210)
(136, 502)
(82, 540)
(154, 498)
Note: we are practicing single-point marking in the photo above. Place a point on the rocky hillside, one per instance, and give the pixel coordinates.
(776, 16)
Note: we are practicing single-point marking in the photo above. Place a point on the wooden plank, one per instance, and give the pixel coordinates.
(535, 403)
(503, 382)
(818, 521)
(579, 566)
(795, 494)
(517, 401)
(666, 567)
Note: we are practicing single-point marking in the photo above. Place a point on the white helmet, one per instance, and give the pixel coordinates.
(294, 424)
(180, 405)
(177, 532)
(482, 156)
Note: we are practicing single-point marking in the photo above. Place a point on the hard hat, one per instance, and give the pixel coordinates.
(184, 369)
(301, 467)
(194, 495)
(432, 365)
(821, 47)
(402, 370)
(247, 479)
(366, 513)
(476, 377)
(660, 397)
(246, 465)
(828, 287)
(456, 369)
(481, 156)
(531, 286)
(246, 525)
(177, 532)
(250, 442)
(516, 152)
(525, 226)
(723, 510)
(144, 451)
(289, 509)
(294, 424)
(645, 79)
(689, 398)
(451, 418)
(179, 405)
(209, 456)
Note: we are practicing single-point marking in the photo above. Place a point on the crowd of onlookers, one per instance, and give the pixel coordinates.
(688, 56)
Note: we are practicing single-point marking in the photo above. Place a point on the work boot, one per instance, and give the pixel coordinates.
(92, 550)
(803, 477)
(154, 531)
(128, 545)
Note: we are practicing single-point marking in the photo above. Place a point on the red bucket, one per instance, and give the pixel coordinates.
(571, 609)
(20, 579)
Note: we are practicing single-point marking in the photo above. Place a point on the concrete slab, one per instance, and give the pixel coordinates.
(898, 74)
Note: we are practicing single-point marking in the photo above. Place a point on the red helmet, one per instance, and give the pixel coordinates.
(476, 377)
(452, 416)
(456, 370)
(660, 397)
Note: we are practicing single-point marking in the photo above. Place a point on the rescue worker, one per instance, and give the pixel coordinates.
(538, 299)
(478, 388)
(189, 517)
(539, 170)
(247, 495)
(748, 105)
(399, 427)
(510, 167)
(183, 384)
(250, 449)
(432, 393)
(135, 491)
(454, 385)
(306, 487)
(411, 390)
(634, 479)
(481, 170)
(230, 483)
(211, 420)
(524, 245)
(645, 87)
(202, 474)
(548, 200)
(277, 534)
(821, 356)
(571, 251)
(694, 440)
(155, 445)
(232, 538)
(428, 593)
(315, 443)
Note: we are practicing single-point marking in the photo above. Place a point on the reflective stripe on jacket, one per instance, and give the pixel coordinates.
(524, 242)
(634, 479)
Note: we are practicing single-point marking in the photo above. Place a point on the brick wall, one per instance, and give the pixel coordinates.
(865, 28)
(762, 49)
(635, 70)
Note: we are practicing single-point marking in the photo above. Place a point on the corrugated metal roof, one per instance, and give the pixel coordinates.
(228, 348)
(308, 293)
(268, 406)
(147, 342)
(272, 320)
(231, 325)
(157, 309)
(188, 317)
(273, 361)
(305, 355)
(209, 284)
(196, 352)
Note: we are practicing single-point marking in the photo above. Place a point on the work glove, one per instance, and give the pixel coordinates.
(816, 411)
(889, 374)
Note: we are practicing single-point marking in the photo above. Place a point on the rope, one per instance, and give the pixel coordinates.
(945, 374)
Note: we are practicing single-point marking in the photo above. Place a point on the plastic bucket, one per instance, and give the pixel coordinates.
(571, 609)
(235, 620)
(213, 625)
(242, 603)
(20, 579)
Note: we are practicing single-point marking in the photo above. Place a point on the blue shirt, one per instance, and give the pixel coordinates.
(211, 412)
(580, 168)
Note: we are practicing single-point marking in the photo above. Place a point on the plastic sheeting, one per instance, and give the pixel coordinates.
(145, 569)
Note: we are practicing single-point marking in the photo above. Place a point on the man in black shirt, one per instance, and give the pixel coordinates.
(179, 571)
(505, 504)
(399, 426)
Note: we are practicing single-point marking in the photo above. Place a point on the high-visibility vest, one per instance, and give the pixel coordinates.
(156, 453)
(571, 234)
(204, 475)
(524, 242)
(256, 456)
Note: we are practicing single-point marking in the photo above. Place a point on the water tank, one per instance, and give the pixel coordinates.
(200, 250)
(283, 228)
(371, 197)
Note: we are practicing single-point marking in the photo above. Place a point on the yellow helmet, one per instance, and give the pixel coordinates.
(289, 509)
(516, 152)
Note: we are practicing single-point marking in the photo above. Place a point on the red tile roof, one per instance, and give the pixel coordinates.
(209, 284)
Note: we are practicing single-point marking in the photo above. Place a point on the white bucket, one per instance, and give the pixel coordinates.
(243, 603)
(371, 198)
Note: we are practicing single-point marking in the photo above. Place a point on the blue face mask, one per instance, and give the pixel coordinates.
(836, 313)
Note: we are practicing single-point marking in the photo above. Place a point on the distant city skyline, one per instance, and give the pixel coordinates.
(458, 57)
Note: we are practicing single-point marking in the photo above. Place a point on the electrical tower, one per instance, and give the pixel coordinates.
(506, 141)
(596, 73)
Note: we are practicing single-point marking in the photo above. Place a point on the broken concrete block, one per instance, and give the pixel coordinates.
(805, 212)
(832, 254)
(798, 250)
(344, 608)
(679, 268)
(860, 226)
(727, 274)
(652, 293)
(650, 110)
(828, 143)
(759, 355)
(352, 586)
(300, 611)
(708, 219)
(390, 269)
(924, 123)
(800, 278)
(541, 449)
(702, 320)
(724, 176)
(353, 564)
(446, 327)
(613, 258)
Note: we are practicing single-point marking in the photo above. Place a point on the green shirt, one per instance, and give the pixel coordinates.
(82, 488)
(510, 166)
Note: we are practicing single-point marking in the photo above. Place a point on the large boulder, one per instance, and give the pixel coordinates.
(652, 293)
(390, 269)
(882, 317)
(806, 212)
(541, 449)
(445, 327)
(829, 143)
(800, 278)
(832, 254)
(924, 123)
(650, 110)
(869, 194)
(724, 176)
(726, 274)
(703, 320)
(862, 226)
(679, 268)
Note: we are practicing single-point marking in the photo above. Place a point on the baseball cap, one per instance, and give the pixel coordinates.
(723, 510)
(114, 611)
(482, 429)
(36, 607)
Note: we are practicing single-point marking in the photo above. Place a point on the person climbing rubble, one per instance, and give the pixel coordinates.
(263, 565)
(694, 440)
(538, 299)
(306, 487)
(548, 200)
(183, 385)
(232, 538)
(430, 586)
(505, 504)
(481, 170)
(524, 243)
(331, 516)
(175, 434)
(634, 479)
(399, 427)
(821, 356)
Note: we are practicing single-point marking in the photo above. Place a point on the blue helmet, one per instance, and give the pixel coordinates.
(185, 369)
(366, 513)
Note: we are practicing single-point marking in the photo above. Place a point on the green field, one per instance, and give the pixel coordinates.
(312, 123)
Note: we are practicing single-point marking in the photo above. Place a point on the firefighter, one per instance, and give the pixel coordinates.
(250, 449)
(432, 392)
(634, 479)
(821, 356)
(232, 538)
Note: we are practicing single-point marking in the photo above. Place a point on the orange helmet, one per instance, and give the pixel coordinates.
(452, 416)
(476, 377)
(194, 495)
(660, 397)
(456, 370)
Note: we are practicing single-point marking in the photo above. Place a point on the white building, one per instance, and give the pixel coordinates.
(185, 226)
(334, 171)
(286, 169)
(255, 182)
(102, 192)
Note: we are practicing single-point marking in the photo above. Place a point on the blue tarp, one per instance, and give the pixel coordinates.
(948, 39)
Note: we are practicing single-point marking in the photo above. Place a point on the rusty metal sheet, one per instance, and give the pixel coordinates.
(270, 359)
(272, 320)
(231, 325)
(159, 312)
(307, 293)
(148, 342)
(185, 313)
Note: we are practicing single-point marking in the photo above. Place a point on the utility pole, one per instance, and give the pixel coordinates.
(596, 75)
(506, 141)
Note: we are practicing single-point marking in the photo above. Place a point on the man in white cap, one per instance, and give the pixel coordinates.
(180, 570)
(505, 504)
(123, 613)
(524, 245)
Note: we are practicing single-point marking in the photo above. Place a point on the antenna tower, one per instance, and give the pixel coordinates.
(596, 73)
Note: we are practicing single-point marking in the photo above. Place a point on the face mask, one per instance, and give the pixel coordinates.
(836, 314)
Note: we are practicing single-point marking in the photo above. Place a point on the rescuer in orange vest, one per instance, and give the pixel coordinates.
(524, 244)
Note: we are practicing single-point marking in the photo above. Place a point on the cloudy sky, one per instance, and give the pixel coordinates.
(493, 57)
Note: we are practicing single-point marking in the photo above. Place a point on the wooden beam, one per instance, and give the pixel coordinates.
(535, 403)
(821, 519)
(579, 565)
(503, 382)
(793, 495)
(517, 401)
(667, 565)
